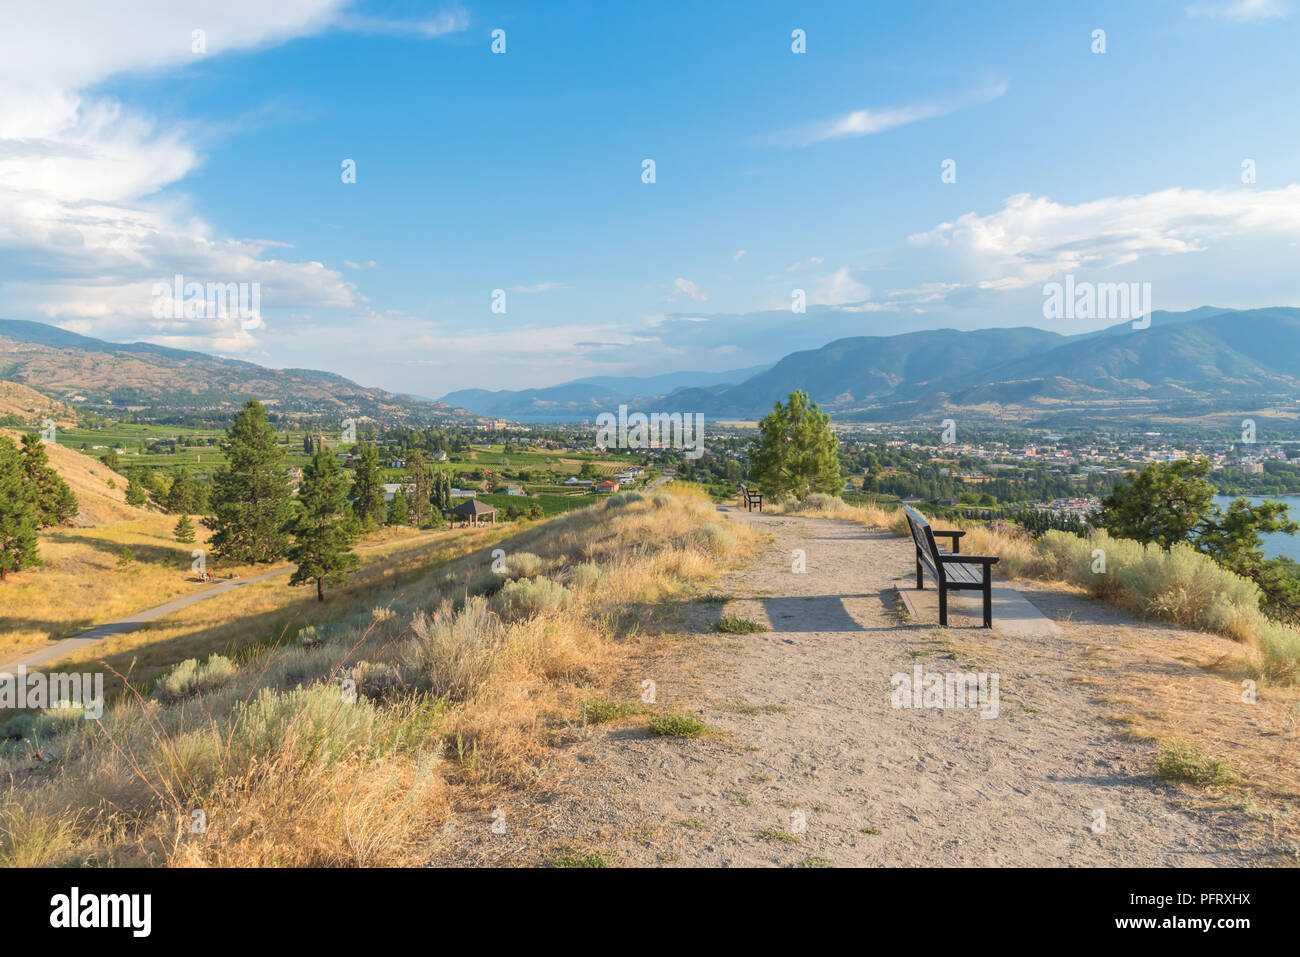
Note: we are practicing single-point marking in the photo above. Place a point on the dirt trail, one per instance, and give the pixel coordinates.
(814, 766)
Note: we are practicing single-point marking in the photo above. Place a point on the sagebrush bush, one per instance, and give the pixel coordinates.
(529, 597)
(712, 538)
(525, 565)
(189, 677)
(584, 575)
(623, 498)
(315, 725)
(456, 652)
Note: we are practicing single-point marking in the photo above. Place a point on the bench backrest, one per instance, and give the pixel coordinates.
(926, 550)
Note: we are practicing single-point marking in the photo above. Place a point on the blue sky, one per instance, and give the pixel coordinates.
(126, 157)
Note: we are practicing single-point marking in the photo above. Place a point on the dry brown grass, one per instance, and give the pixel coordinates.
(21, 400)
(305, 777)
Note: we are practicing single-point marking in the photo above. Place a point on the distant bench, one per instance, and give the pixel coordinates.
(750, 498)
(952, 570)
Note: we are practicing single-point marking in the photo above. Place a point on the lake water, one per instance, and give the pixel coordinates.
(1277, 544)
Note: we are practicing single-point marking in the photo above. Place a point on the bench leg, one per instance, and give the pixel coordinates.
(920, 575)
(943, 606)
(988, 597)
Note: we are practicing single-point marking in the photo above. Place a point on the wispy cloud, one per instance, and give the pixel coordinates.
(684, 287)
(1242, 11)
(538, 287)
(866, 122)
(451, 20)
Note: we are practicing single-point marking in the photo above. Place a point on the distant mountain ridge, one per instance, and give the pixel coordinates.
(581, 398)
(91, 372)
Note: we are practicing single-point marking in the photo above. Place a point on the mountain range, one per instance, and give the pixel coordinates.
(1195, 362)
(159, 380)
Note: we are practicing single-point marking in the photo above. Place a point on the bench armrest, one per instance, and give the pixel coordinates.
(953, 535)
(970, 559)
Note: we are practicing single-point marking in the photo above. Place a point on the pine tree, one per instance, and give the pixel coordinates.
(54, 500)
(183, 496)
(250, 501)
(184, 530)
(135, 493)
(418, 471)
(368, 487)
(326, 528)
(17, 513)
(797, 452)
(398, 513)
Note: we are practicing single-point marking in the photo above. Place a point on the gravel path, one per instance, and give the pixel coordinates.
(814, 766)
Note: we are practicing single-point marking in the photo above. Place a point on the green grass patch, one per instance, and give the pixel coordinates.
(737, 626)
(1180, 761)
(599, 710)
(776, 836)
(572, 857)
(677, 726)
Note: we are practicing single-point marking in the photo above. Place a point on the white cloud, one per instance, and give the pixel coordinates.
(1242, 11)
(739, 255)
(685, 287)
(83, 235)
(868, 121)
(1033, 239)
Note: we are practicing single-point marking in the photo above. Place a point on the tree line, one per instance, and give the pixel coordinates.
(32, 496)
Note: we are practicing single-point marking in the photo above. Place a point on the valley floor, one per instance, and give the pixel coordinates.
(811, 765)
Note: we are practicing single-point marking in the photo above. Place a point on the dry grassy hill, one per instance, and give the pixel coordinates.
(100, 503)
(21, 400)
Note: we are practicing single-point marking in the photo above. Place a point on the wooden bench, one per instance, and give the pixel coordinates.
(750, 498)
(952, 570)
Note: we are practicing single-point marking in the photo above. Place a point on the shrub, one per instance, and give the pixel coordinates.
(662, 499)
(456, 652)
(620, 499)
(529, 597)
(584, 575)
(189, 677)
(711, 538)
(525, 565)
(311, 725)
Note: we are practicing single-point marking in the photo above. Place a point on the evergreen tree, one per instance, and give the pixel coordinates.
(368, 487)
(796, 452)
(325, 529)
(17, 513)
(55, 503)
(110, 460)
(250, 500)
(184, 530)
(444, 491)
(418, 472)
(398, 512)
(183, 496)
(135, 493)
